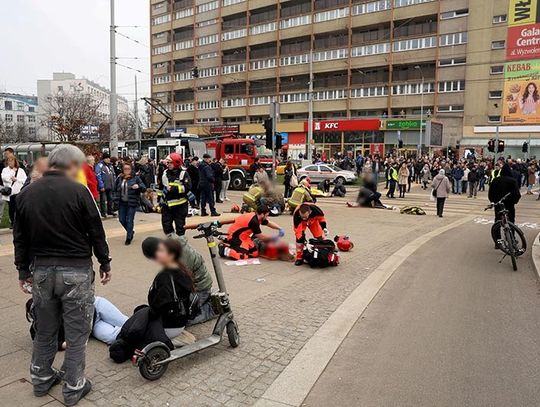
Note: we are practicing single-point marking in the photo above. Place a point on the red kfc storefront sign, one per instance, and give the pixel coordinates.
(344, 125)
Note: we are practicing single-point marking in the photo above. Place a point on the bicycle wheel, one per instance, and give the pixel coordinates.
(497, 233)
(520, 243)
(510, 241)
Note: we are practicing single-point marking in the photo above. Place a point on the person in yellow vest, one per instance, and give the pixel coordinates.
(300, 195)
(393, 178)
(176, 185)
(495, 172)
(253, 196)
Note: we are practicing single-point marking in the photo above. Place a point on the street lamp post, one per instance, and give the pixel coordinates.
(310, 107)
(421, 141)
(113, 100)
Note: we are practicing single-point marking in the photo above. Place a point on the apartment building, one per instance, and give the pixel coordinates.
(66, 83)
(398, 61)
(18, 114)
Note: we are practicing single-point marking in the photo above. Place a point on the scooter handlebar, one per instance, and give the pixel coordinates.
(214, 223)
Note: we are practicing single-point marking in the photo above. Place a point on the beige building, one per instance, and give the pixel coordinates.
(387, 59)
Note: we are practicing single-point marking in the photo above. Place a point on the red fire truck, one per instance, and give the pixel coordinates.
(240, 154)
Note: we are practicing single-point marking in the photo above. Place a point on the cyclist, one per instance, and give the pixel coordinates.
(503, 184)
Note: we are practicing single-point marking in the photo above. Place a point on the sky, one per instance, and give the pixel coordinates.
(40, 37)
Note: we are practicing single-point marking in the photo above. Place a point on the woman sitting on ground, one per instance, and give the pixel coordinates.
(169, 295)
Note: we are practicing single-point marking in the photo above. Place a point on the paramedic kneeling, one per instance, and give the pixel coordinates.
(307, 216)
(239, 243)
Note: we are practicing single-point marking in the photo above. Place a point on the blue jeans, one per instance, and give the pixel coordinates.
(126, 216)
(62, 293)
(108, 321)
(457, 186)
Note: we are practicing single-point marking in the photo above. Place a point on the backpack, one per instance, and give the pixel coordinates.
(31, 317)
(321, 253)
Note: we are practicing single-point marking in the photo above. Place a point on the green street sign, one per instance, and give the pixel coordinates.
(404, 124)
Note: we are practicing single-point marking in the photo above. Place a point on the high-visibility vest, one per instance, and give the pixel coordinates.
(495, 174)
(177, 194)
(393, 174)
(252, 196)
(298, 197)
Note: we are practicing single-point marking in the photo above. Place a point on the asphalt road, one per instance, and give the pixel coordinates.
(452, 327)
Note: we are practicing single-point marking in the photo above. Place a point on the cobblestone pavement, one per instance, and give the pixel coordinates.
(278, 308)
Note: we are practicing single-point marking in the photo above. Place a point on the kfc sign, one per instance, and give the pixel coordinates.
(344, 125)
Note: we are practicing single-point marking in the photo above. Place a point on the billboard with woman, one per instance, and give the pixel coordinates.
(521, 103)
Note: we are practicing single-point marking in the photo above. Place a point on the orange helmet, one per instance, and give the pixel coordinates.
(343, 243)
(176, 160)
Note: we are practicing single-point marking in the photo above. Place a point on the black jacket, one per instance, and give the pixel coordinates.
(503, 184)
(218, 172)
(206, 174)
(161, 297)
(58, 218)
(194, 175)
(134, 195)
(138, 331)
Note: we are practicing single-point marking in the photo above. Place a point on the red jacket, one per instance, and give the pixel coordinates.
(91, 180)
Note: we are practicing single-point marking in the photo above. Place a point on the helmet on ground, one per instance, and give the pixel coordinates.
(235, 208)
(176, 160)
(343, 243)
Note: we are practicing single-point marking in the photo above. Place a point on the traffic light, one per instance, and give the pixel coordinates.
(491, 145)
(449, 152)
(268, 130)
(500, 146)
(195, 72)
(279, 141)
(525, 148)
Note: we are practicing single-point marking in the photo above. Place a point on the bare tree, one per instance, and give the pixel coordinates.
(126, 126)
(65, 114)
(14, 133)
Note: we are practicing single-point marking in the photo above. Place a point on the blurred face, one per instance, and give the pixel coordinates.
(73, 170)
(11, 162)
(305, 215)
(163, 256)
(41, 166)
(107, 160)
(91, 160)
(170, 165)
(126, 170)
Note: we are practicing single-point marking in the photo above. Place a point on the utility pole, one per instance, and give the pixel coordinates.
(136, 112)
(274, 127)
(421, 141)
(310, 108)
(113, 101)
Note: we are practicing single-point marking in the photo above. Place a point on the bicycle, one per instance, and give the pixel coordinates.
(507, 236)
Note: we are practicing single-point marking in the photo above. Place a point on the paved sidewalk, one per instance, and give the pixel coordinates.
(278, 306)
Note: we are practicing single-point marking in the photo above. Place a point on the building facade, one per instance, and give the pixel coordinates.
(400, 61)
(66, 83)
(18, 115)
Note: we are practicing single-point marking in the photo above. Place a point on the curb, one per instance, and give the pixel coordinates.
(535, 254)
(295, 382)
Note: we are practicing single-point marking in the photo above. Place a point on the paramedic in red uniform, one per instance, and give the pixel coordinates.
(242, 232)
(307, 216)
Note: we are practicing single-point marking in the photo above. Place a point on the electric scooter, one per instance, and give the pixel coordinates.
(154, 359)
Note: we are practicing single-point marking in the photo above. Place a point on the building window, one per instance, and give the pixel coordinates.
(161, 19)
(403, 3)
(331, 14)
(495, 94)
(20, 106)
(233, 35)
(496, 69)
(373, 91)
(207, 105)
(159, 80)
(208, 39)
(31, 119)
(494, 119)
(231, 2)
(207, 22)
(452, 61)
(184, 107)
(207, 72)
(455, 14)
(371, 7)
(498, 44)
(8, 117)
(451, 86)
(294, 60)
(183, 45)
(32, 131)
(230, 69)
(450, 108)
(207, 88)
(203, 8)
(413, 89)
(262, 64)
(295, 21)
(415, 43)
(8, 105)
(187, 12)
(235, 102)
(20, 118)
(453, 39)
(330, 55)
(373, 49)
(500, 19)
(162, 50)
(263, 28)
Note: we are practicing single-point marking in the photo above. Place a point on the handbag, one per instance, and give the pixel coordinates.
(6, 191)
(294, 181)
(180, 310)
(434, 192)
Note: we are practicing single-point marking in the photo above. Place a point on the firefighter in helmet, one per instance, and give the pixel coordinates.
(176, 185)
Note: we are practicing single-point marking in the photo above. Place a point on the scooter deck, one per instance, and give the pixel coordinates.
(201, 344)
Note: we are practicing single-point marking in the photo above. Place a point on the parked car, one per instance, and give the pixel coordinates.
(320, 172)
